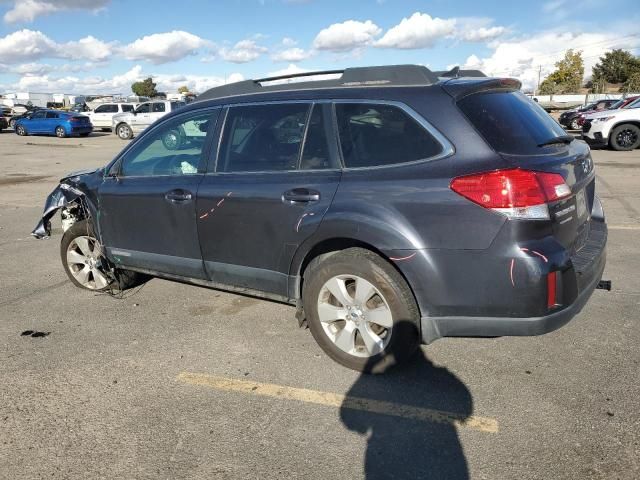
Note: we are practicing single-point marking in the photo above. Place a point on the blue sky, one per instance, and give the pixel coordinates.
(93, 46)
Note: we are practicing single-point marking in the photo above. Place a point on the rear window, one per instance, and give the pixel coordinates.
(510, 122)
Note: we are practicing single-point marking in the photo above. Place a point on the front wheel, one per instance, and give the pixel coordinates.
(12, 124)
(574, 124)
(60, 132)
(625, 137)
(87, 267)
(124, 131)
(360, 310)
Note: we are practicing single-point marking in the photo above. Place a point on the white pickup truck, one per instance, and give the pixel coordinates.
(125, 125)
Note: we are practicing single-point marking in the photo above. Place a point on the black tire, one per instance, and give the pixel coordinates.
(625, 137)
(20, 130)
(60, 132)
(404, 334)
(119, 279)
(12, 124)
(574, 124)
(124, 131)
(106, 129)
(84, 134)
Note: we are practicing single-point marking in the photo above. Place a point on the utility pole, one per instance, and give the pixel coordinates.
(539, 73)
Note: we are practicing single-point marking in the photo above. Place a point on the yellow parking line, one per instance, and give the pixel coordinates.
(623, 227)
(488, 425)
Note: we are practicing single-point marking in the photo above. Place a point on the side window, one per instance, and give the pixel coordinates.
(127, 108)
(101, 109)
(111, 109)
(158, 107)
(258, 138)
(52, 115)
(315, 153)
(174, 148)
(144, 108)
(39, 115)
(378, 134)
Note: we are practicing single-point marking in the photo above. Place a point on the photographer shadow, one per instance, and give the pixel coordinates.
(401, 447)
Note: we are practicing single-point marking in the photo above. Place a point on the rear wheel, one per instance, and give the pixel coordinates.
(12, 123)
(360, 310)
(20, 130)
(625, 137)
(60, 132)
(85, 264)
(172, 140)
(124, 131)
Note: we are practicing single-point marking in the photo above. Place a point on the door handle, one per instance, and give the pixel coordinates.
(178, 196)
(300, 195)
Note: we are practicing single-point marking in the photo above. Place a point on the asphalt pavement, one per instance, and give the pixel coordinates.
(173, 381)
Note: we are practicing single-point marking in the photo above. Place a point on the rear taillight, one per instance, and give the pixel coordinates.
(552, 286)
(77, 119)
(514, 192)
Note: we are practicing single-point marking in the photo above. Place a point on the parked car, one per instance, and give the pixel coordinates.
(20, 111)
(3, 123)
(622, 103)
(569, 119)
(420, 208)
(102, 116)
(125, 125)
(620, 129)
(53, 122)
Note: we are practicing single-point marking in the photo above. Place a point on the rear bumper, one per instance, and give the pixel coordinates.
(464, 326)
(80, 130)
(503, 291)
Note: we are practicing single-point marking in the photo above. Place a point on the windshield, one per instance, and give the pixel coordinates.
(510, 122)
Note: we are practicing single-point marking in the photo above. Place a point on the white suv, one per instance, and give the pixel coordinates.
(618, 128)
(102, 116)
(126, 124)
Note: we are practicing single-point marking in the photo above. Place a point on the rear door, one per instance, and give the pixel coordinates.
(277, 172)
(51, 122)
(148, 210)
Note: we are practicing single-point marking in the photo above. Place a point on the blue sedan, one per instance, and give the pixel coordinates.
(54, 122)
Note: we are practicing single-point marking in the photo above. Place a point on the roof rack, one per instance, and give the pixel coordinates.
(391, 75)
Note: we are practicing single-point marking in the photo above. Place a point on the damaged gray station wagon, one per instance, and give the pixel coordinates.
(390, 205)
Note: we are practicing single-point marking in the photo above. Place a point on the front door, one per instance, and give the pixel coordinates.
(277, 172)
(37, 122)
(141, 118)
(148, 211)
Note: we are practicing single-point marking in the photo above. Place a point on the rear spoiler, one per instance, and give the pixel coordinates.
(455, 72)
(461, 87)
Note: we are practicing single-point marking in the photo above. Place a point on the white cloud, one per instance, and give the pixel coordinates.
(88, 47)
(482, 34)
(26, 45)
(294, 54)
(242, 52)
(288, 42)
(29, 45)
(28, 10)
(522, 58)
(345, 36)
(164, 47)
(418, 31)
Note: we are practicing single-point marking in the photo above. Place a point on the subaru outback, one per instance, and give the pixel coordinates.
(392, 206)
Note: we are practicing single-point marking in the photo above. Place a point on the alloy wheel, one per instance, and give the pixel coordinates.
(355, 316)
(86, 263)
(124, 132)
(60, 132)
(626, 138)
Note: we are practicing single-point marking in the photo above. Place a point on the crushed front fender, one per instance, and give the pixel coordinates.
(63, 195)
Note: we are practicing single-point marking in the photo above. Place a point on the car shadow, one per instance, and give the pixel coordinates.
(403, 448)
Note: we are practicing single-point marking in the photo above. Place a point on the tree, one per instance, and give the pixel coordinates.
(183, 89)
(632, 85)
(146, 88)
(615, 67)
(567, 77)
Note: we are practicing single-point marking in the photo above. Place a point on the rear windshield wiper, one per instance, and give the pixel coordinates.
(566, 139)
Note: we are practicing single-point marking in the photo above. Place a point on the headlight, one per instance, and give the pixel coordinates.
(604, 119)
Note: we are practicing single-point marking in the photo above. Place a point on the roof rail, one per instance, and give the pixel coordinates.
(391, 75)
(455, 72)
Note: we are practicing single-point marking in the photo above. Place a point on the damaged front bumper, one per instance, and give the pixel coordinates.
(63, 195)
